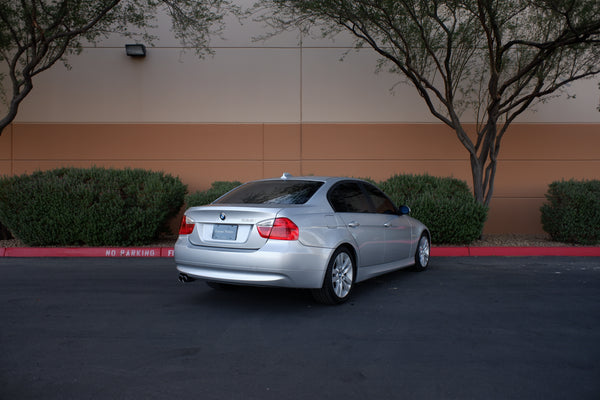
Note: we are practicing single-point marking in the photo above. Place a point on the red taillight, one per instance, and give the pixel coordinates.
(279, 229)
(187, 226)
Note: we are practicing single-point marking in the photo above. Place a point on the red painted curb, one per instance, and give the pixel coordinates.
(515, 251)
(154, 252)
(88, 252)
(449, 251)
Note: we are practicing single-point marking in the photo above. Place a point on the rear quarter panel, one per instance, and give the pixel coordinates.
(319, 227)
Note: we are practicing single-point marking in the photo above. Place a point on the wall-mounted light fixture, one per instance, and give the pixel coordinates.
(135, 50)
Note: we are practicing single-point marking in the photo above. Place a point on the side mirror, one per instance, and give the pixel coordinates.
(404, 210)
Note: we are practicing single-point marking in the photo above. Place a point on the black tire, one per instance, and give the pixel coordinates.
(339, 279)
(423, 253)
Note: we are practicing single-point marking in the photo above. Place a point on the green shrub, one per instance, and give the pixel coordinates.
(216, 190)
(5, 233)
(572, 213)
(445, 205)
(94, 206)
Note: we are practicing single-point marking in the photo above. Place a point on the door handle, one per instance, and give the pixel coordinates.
(353, 224)
(387, 224)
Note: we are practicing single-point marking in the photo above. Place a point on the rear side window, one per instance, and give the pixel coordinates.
(382, 204)
(348, 197)
(272, 192)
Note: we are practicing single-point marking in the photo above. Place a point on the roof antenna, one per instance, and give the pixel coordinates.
(286, 175)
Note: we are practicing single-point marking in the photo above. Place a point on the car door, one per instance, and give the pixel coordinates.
(352, 206)
(397, 227)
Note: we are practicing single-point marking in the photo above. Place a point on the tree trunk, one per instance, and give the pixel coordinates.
(483, 159)
(477, 174)
(18, 97)
(8, 118)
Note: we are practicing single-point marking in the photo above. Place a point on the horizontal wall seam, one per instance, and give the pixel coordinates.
(282, 159)
(146, 159)
(560, 160)
(356, 159)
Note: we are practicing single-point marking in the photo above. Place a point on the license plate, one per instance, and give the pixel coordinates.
(224, 232)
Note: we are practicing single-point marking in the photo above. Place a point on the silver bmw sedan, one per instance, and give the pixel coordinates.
(319, 233)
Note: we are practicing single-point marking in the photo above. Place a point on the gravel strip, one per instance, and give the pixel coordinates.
(516, 240)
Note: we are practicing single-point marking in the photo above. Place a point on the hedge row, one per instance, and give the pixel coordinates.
(107, 207)
(572, 213)
(445, 205)
(94, 206)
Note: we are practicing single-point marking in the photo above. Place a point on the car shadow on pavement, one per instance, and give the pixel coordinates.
(250, 296)
(286, 299)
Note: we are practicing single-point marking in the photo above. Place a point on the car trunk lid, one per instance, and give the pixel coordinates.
(229, 226)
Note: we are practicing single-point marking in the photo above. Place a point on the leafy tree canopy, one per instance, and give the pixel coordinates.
(35, 34)
(487, 59)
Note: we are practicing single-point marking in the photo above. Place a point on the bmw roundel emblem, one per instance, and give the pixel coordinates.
(222, 216)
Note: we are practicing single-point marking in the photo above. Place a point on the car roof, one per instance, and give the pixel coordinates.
(329, 179)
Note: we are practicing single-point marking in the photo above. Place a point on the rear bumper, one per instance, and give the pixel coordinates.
(277, 263)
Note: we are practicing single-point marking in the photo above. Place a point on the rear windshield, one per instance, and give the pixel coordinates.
(271, 192)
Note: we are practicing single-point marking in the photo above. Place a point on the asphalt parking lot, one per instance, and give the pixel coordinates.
(469, 328)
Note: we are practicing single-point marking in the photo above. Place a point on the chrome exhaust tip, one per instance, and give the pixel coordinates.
(183, 278)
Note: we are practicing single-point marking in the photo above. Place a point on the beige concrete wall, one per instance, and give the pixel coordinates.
(258, 108)
(248, 85)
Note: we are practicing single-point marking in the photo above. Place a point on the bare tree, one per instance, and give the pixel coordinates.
(35, 34)
(492, 58)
